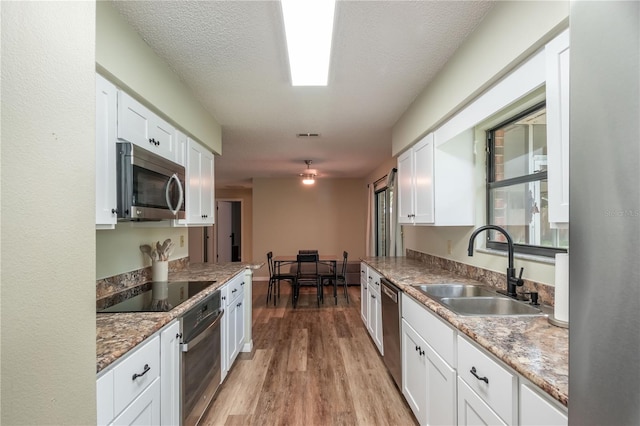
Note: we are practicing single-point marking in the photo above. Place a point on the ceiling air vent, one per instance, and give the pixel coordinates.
(307, 135)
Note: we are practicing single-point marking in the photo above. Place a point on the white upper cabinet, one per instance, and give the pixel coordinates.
(106, 123)
(436, 182)
(405, 187)
(415, 174)
(200, 185)
(557, 75)
(181, 148)
(138, 125)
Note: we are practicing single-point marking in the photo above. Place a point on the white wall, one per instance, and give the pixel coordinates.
(48, 363)
(122, 55)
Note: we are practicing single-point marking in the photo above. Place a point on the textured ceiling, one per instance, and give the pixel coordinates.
(232, 54)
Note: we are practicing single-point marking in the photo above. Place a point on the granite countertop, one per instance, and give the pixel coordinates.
(118, 333)
(531, 346)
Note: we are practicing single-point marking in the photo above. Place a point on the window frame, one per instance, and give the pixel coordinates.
(491, 184)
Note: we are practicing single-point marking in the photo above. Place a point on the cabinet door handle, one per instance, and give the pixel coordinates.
(234, 290)
(482, 379)
(145, 371)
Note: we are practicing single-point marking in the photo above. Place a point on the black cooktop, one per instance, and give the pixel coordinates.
(152, 296)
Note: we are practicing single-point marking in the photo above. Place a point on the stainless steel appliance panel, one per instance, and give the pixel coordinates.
(149, 187)
(391, 323)
(201, 358)
(604, 271)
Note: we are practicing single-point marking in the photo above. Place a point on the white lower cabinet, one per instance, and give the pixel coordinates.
(374, 309)
(539, 410)
(472, 410)
(170, 374)
(364, 296)
(448, 379)
(232, 332)
(428, 381)
(414, 372)
(144, 410)
(142, 388)
(104, 393)
(496, 385)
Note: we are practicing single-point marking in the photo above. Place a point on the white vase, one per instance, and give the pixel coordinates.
(160, 270)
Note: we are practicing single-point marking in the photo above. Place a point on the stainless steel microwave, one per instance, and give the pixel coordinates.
(150, 187)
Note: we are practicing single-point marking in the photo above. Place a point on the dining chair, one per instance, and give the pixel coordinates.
(275, 276)
(340, 275)
(307, 272)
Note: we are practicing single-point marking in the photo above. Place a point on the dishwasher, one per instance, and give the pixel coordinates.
(391, 321)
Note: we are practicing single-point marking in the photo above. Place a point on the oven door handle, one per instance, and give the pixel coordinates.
(186, 347)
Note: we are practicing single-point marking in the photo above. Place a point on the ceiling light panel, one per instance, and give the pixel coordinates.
(308, 27)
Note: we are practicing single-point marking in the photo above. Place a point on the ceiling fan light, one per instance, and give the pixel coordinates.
(308, 180)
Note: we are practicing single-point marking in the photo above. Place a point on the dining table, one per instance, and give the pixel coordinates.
(330, 260)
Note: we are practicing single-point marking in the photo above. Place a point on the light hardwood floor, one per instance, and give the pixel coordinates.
(309, 366)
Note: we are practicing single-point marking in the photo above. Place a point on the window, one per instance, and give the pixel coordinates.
(383, 216)
(517, 185)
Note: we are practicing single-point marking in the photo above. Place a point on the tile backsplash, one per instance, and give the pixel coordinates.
(489, 278)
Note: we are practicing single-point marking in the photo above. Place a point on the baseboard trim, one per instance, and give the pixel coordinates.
(248, 346)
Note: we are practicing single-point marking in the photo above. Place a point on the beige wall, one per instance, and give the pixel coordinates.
(118, 250)
(382, 170)
(126, 59)
(48, 363)
(289, 216)
(246, 196)
(511, 31)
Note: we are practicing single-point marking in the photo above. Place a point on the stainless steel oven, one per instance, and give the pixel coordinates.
(201, 358)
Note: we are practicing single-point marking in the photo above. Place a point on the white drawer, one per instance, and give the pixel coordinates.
(146, 357)
(500, 386)
(374, 281)
(234, 289)
(433, 330)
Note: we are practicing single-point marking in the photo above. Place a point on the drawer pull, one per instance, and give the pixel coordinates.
(483, 379)
(146, 370)
(234, 290)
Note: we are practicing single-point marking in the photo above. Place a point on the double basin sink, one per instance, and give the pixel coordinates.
(471, 300)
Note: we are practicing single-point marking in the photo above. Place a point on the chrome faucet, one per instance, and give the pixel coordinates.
(512, 281)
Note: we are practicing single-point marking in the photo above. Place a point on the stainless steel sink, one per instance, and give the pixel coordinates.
(454, 290)
(489, 306)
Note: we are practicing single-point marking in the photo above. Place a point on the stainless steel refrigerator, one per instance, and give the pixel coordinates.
(604, 307)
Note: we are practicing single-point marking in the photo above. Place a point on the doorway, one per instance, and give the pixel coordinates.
(228, 231)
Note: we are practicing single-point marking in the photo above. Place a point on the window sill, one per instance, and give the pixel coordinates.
(530, 257)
